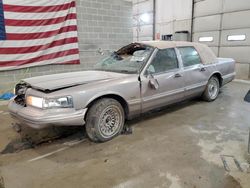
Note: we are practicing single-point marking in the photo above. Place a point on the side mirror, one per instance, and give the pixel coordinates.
(153, 83)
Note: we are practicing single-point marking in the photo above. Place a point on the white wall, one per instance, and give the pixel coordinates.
(171, 16)
(142, 30)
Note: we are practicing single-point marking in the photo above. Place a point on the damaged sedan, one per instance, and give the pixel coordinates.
(133, 80)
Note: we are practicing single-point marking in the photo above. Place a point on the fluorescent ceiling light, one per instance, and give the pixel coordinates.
(145, 17)
(236, 37)
(206, 39)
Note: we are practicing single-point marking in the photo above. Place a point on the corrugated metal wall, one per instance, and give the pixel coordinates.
(220, 20)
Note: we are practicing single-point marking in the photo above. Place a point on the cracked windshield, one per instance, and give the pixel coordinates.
(129, 59)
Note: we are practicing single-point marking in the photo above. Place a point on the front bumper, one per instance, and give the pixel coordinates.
(39, 119)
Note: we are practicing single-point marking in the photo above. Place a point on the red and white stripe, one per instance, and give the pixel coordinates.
(39, 32)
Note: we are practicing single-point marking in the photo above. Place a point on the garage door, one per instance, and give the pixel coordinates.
(223, 25)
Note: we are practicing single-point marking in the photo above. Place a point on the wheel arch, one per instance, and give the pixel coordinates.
(219, 76)
(117, 97)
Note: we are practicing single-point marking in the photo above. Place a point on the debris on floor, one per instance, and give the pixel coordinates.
(6, 96)
(127, 130)
(30, 138)
(17, 146)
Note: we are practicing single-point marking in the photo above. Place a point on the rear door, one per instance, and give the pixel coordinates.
(195, 74)
(164, 70)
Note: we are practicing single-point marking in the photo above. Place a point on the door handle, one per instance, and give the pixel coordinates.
(177, 75)
(202, 69)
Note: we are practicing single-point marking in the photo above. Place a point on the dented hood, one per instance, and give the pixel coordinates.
(64, 80)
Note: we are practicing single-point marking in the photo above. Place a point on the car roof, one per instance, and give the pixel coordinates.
(168, 44)
(206, 54)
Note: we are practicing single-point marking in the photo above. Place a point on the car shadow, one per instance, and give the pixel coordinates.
(163, 111)
(30, 138)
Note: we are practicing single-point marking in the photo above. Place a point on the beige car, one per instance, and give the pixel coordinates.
(137, 78)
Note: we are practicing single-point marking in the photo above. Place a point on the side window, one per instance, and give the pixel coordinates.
(189, 56)
(163, 61)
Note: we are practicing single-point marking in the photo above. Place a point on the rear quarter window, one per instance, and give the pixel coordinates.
(189, 56)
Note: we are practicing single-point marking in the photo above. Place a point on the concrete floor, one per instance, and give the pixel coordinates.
(176, 147)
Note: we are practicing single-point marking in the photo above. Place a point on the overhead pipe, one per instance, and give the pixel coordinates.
(154, 18)
(192, 21)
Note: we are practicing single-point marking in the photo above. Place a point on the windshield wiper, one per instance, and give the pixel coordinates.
(118, 71)
(127, 71)
(123, 71)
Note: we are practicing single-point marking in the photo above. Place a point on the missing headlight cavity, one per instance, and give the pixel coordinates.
(20, 88)
(20, 99)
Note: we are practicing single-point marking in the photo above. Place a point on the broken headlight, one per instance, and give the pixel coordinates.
(20, 88)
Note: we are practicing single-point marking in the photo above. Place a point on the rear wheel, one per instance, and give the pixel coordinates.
(212, 89)
(105, 120)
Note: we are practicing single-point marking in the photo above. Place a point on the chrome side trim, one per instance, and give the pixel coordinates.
(165, 94)
(229, 75)
(194, 86)
(134, 101)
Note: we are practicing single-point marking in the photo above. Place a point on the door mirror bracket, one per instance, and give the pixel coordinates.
(153, 83)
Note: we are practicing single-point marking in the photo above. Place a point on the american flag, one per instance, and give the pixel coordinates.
(37, 32)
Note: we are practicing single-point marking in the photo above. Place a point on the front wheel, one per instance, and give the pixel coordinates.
(212, 89)
(105, 120)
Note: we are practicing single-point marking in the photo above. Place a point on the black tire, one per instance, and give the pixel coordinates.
(212, 89)
(105, 120)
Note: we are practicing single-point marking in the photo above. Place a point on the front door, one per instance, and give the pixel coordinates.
(163, 83)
